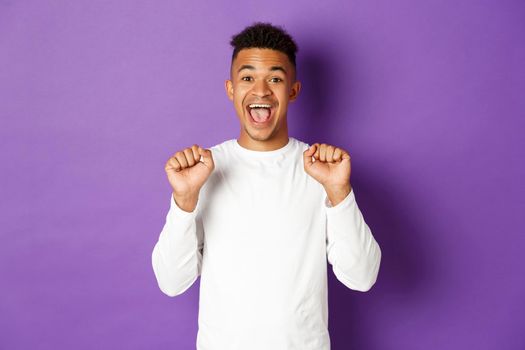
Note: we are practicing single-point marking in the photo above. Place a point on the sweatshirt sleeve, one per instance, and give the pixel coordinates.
(351, 248)
(177, 255)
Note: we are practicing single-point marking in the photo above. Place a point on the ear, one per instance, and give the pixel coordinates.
(228, 85)
(294, 92)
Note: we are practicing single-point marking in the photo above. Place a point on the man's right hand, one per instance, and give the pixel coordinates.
(187, 174)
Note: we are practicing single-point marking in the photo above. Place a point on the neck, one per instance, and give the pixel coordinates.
(275, 142)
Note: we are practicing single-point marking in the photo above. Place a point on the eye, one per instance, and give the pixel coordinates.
(246, 78)
(275, 80)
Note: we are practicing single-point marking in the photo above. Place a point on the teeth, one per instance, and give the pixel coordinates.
(256, 105)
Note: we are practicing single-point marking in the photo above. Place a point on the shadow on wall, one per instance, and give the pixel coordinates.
(315, 72)
(406, 271)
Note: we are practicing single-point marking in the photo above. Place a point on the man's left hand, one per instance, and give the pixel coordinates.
(331, 169)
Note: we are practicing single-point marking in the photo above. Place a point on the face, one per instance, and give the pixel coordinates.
(262, 82)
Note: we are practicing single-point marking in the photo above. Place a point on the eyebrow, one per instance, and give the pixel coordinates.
(273, 68)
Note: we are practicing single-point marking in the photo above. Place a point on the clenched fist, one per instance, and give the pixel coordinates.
(331, 168)
(187, 173)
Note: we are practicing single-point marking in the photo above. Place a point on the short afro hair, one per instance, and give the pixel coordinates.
(264, 36)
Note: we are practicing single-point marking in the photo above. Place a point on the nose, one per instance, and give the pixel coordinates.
(261, 89)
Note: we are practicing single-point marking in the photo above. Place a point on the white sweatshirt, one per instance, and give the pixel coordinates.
(259, 238)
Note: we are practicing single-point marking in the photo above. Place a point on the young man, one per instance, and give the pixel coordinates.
(257, 217)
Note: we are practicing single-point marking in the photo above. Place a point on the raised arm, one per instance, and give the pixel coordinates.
(177, 255)
(351, 249)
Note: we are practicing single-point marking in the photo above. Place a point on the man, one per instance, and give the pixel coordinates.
(258, 217)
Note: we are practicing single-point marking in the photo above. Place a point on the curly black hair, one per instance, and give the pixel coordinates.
(265, 36)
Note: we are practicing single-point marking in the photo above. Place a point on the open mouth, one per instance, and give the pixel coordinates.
(260, 112)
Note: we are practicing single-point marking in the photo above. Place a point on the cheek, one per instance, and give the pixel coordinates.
(238, 96)
(283, 92)
(238, 102)
(238, 92)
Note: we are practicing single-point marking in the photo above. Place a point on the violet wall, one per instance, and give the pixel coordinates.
(427, 96)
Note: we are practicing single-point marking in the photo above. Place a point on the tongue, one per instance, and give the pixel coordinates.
(260, 115)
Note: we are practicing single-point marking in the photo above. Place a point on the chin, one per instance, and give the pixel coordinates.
(262, 135)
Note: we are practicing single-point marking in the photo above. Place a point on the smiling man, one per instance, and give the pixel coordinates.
(262, 83)
(259, 216)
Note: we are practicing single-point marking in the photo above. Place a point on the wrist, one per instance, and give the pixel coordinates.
(337, 193)
(186, 202)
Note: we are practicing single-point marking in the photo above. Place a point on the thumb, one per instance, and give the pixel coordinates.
(206, 157)
(307, 155)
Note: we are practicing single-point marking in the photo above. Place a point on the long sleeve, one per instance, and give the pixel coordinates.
(177, 255)
(351, 248)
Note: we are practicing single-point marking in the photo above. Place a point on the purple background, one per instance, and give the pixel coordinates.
(428, 98)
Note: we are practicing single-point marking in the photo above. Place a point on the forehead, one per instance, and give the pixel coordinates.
(261, 58)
